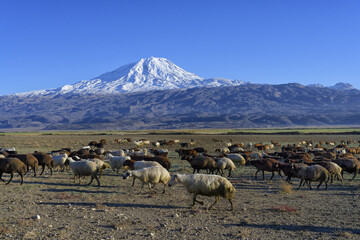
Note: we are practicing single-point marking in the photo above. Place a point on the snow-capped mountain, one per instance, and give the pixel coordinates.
(145, 75)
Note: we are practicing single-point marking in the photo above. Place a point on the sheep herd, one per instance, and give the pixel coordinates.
(149, 162)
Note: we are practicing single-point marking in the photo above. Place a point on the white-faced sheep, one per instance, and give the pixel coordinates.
(312, 173)
(224, 163)
(206, 185)
(12, 165)
(150, 175)
(84, 168)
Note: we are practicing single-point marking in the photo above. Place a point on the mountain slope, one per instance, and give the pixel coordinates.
(145, 75)
(249, 105)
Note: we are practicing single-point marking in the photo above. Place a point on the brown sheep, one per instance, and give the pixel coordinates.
(350, 165)
(12, 165)
(45, 160)
(198, 163)
(266, 164)
(29, 160)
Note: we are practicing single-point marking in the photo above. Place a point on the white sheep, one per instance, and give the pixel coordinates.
(225, 163)
(135, 165)
(84, 168)
(116, 162)
(206, 185)
(236, 158)
(150, 175)
(118, 153)
(101, 165)
(59, 160)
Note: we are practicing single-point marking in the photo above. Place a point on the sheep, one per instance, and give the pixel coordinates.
(267, 164)
(163, 161)
(101, 165)
(59, 161)
(12, 165)
(224, 163)
(333, 168)
(236, 158)
(201, 162)
(350, 165)
(205, 185)
(222, 150)
(312, 173)
(288, 169)
(150, 175)
(84, 168)
(29, 160)
(116, 162)
(135, 165)
(117, 153)
(44, 160)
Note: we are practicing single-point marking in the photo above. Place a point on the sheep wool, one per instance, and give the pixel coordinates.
(206, 185)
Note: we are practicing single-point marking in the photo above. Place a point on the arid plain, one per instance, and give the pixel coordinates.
(54, 207)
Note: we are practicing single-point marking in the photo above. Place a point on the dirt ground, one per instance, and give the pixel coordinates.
(54, 207)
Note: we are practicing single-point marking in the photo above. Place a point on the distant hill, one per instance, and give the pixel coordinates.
(241, 106)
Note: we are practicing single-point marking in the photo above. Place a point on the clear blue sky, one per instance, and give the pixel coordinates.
(46, 43)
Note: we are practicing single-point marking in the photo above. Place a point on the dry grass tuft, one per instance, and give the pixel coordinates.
(283, 208)
(341, 233)
(4, 230)
(285, 187)
(244, 233)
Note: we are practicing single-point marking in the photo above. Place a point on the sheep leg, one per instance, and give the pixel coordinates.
(1, 177)
(133, 182)
(43, 169)
(319, 184)
(34, 169)
(194, 171)
(165, 186)
(97, 180)
(331, 176)
(11, 177)
(301, 182)
(216, 200)
(51, 171)
(272, 175)
(92, 179)
(229, 173)
(232, 208)
(257, 173)
(22, 178)
(194, 200)
(354, 176)
(263, 173)
(309, 184)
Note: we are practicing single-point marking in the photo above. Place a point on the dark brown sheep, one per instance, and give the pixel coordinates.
(198, 163)
(45, 160)
(11, 166)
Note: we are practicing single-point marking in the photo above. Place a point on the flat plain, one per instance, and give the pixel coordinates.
(55, 207)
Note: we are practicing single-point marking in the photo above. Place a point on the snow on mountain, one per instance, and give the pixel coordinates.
(145, 75)
(342, 86)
